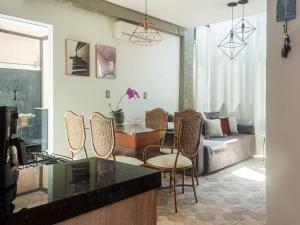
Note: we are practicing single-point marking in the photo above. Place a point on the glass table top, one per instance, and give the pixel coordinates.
(135, 129)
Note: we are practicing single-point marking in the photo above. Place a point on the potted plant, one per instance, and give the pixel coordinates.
(118, 114)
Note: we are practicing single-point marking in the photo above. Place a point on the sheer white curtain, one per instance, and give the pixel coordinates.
(233, 87)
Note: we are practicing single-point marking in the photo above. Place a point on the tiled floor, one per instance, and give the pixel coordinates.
(233, 196)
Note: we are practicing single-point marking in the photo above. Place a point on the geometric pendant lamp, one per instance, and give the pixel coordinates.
(244, 29)
(144, 34)
(232, 44)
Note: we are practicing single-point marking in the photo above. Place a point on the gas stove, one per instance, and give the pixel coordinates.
(39, 158)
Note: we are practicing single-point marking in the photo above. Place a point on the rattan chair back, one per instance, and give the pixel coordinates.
(189, 134)
(75, 131)
(102, 134)
(179, 116)
(156, 119)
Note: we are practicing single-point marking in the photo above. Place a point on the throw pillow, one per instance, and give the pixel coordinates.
(233, 125)
(212, 115)
(225, 125)
(213, 128)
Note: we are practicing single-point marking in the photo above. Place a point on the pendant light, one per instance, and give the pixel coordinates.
(244, 29)
(232, 44)
(144, 34)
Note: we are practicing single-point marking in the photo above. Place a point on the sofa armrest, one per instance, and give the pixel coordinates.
(245, 129)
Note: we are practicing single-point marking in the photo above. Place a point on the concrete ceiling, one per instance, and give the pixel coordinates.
(192, 13)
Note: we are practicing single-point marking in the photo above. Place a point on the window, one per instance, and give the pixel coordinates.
(19, 52)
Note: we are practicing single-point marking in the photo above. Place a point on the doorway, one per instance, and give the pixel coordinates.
(26, 78)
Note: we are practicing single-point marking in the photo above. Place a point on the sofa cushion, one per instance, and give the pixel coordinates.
(233, 125)
(213, 128)
(212, 115)
(222, 152)
(225, 125)
(220, 143)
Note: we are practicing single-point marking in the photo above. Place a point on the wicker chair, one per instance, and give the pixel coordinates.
(103, 139)
(189, 132)
(157, 119)
(173, 149)
(177, 116)
(75, 133)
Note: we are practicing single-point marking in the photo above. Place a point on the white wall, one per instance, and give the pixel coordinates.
(283, 122)
(152, 69)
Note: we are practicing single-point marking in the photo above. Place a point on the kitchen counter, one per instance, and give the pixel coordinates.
(51, 194)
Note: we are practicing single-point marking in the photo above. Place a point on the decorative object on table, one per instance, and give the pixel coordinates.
(134, 120)
(286, 10)
(106, 61)
(144, 34)
(77, 58)
(244, 29)
(118, 114)
(24, 119)
(232, 44)
(286, 42)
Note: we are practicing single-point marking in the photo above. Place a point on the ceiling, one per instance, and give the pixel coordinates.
(23, 27)
(192, 13)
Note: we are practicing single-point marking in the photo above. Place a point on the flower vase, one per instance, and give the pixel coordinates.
(118, 117)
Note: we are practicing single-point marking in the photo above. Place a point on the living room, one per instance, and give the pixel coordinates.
(186, 69)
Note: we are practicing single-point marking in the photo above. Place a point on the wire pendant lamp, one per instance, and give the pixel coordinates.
(144, 34)
(244, 29)
(232, 44)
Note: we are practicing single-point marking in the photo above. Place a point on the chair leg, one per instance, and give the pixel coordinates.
(193, 183)
(196, 172)
(183, 176)
(174, 189)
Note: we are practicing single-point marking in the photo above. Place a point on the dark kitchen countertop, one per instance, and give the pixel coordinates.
(53, 193)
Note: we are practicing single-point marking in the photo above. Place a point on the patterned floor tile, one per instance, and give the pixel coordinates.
(233, 196)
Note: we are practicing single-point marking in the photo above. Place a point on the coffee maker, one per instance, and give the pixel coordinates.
(12, 154)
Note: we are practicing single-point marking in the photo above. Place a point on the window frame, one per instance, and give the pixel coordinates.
(20, 66)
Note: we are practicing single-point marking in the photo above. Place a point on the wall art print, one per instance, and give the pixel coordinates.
(106, 61)
(77, 58)
(286, 10)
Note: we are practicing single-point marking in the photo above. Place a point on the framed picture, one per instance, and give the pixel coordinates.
(106, 61)
(286, 10)
(77, 58)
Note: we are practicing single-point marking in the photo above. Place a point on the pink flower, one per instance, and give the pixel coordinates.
(131, 93)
